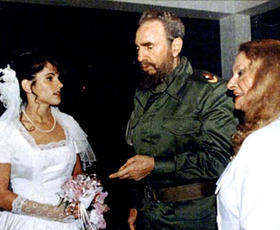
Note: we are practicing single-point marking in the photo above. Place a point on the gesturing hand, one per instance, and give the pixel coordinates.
(135, 168)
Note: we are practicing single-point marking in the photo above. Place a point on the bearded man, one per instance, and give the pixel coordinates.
(180, 129)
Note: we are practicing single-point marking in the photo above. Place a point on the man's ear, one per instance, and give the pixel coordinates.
(176, 46)
(26, 85)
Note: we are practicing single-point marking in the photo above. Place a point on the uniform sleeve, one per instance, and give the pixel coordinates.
(5, 152)
(211, 147)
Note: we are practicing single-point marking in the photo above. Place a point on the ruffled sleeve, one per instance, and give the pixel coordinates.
(83, 148)
(78, 136)
(5, 147)
(5, 152)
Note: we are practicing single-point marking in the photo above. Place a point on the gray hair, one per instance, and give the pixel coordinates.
(173, 25)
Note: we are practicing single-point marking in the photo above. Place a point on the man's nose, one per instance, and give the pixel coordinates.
(140, 55)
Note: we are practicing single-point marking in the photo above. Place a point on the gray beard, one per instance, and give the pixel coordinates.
(150, 82)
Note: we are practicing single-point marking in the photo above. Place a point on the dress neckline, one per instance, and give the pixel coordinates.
(51, 145)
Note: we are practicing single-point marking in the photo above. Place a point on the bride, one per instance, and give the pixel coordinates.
(40, 147)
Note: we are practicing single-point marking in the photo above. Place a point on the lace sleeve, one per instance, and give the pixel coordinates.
(26, 207)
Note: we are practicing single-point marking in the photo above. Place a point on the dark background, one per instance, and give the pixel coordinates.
(266, 25)
(97, 54)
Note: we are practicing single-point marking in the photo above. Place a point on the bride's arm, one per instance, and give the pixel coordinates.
(78, 167)
(19, 205)
(6, 195)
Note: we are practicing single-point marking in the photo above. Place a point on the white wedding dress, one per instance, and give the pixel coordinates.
(38, 171)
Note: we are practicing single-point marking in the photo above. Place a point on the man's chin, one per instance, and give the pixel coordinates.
(149, 81)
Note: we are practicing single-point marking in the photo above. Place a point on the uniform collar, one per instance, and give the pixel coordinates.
(179, 76)
(174, 76)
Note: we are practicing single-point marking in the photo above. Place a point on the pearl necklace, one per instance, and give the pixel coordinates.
(40, 130)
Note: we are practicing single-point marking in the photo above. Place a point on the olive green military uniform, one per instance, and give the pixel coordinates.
(186, 124)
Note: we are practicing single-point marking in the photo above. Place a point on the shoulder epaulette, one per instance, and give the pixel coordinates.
(210, 77)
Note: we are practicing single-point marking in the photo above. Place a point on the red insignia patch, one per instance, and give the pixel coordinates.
(208, 76)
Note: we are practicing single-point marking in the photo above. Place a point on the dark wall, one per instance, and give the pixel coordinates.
(266, 25)
(97, 52)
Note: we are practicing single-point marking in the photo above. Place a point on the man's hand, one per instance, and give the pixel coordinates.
(132, 218)
(135, 168)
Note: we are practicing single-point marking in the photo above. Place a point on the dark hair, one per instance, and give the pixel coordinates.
(173, 25)
(27, 65)
(263, 98)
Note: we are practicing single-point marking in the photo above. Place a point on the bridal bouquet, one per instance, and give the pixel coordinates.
(88, 192)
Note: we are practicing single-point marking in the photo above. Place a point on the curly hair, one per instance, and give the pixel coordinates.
(263, 98)
(27, 65)
(173, 25)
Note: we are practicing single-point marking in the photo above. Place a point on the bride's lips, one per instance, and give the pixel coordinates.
(57, 94)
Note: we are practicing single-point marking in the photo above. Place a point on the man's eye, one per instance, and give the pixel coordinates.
(150, 47)
(49, 78)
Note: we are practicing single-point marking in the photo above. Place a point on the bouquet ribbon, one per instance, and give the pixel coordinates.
(84, 218)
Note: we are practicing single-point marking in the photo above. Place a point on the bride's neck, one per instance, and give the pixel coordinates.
(39, 113)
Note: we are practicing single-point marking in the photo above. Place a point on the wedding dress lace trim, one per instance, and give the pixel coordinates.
(52, 145)
(17, 204)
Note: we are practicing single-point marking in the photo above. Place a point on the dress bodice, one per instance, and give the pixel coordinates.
(37, 171)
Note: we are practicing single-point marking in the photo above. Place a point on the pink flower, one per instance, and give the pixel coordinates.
(101, 197)
(97, 219)
(100, 208)
(87, 190)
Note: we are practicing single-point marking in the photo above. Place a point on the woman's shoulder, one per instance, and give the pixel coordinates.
(69, 123)
(7, 131)
(4, 125)
(267, 134)
(62, 116)
(265, 141)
